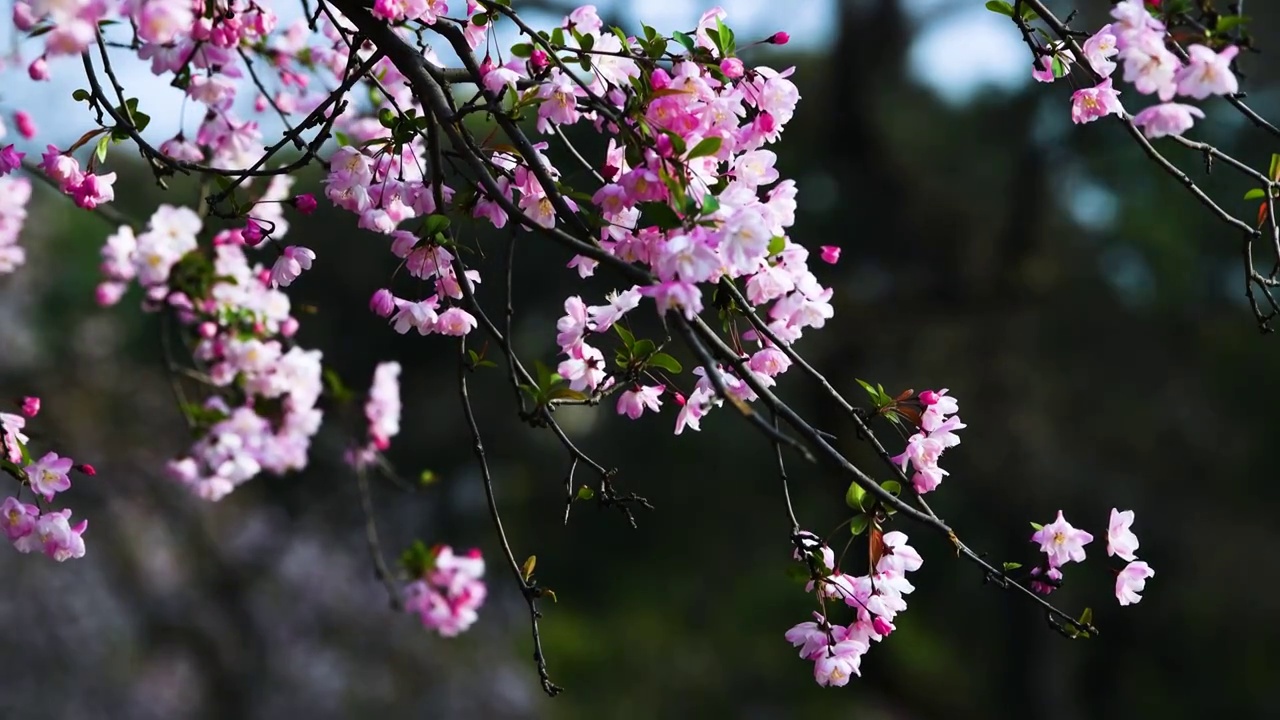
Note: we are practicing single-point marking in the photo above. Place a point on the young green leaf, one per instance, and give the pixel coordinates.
(666, 362)
(1000, 7)
(859, 524)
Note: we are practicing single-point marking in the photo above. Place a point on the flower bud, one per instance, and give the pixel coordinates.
(39, 69)
(306, 203)
(732, 68)
(30, 406)
(779, 38)
(383, 303)
(929, 397)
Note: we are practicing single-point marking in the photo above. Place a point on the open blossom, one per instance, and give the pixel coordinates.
(1062, 542)
(290, 265)
(1208, 73)
(1089, 104)
(1167, 119)
(1131, 581)
(1100, 48)
(1121, 542)
(48, 475)
(1150, 66)
(633, 403)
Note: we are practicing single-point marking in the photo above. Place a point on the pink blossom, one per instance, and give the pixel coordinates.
(10, 159)
(383, 303)
(632, 403)
(1131, 581)
(1062, 542)
(1121, 542)
(779, 38)
(30, 406)
(48, 475)
(38, 70)
(455, 321)
(584, 369)
(291, 263)
(94, 190)
(1089, 104)
(1099, 49)
(830, 254)
(1208, 73)
(63, 169)
(840, 662)
(19, 518)
(1167, 119)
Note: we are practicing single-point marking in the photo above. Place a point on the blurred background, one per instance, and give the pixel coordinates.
(1087, 313)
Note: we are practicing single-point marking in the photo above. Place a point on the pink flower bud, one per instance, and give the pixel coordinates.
(38, 69)
(86, 469)
(383, 303)
(732, 68)
(264, 277)
(779, 38)
(830, 254)
(679, 398)
(663, 146)
(289, 327)
(252, 233)
(260, 103)
(306, 203)
(208, 330)
(538, 60)
(882, 626)
(929, 397)
(26, 126)
(109, 293)
(24, 18)
(30, 406)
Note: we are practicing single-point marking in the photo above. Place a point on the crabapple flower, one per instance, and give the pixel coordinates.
(1062, 542)
(447, 599)
(290, 265)
(1099, 49)
(1167, 119)
(18, 518)
(834, 667)
(830, 254)
(10, 159)
(1089, 104)
(1131, 581)
(1121, 542)
(30, 406)
(632, 403)
(48, 475)
(1208, 73)
(456, 322)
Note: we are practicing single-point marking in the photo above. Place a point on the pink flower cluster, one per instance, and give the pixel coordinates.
(28, 527)
(1062, 543)
(87, 189)
(877, 598)
(938, 426)
(382, 411)
(448, 597)
(240, 326)
(1138, 40)
(14, 194)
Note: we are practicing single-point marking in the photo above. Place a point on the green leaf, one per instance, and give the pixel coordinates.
(859, 524)
(1274, 172)
(544, 374)
(853, 496)
(585, 493)
(1255, 194)
(870, 390)
(80, 95)
(777, 244)
(628, 340)
(1029, 13)
(661, 214)
(342, 138)
(666, 362)
(436, 224)
(522, 50)
(710, 204)
(557, 37)
(480, 20)
(1227, 23)
(1000, 7)
(526, 570)
(1037, 526)
(101, 151)
(684, 39)
(893, 487)
(1059, 67)
(1086, 617)
(643, 348)
(1011, 566)
(708, 146)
